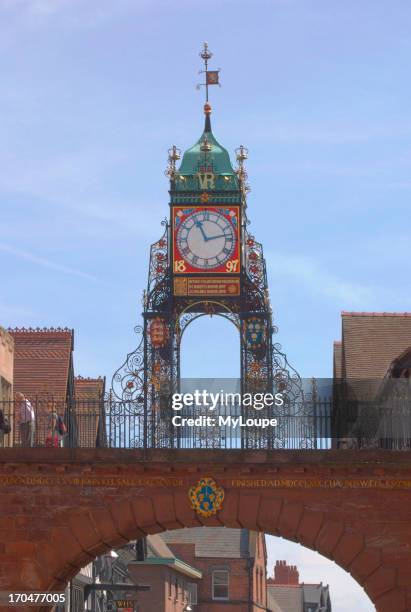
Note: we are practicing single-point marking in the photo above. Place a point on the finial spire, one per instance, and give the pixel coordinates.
(212, 76)
(206, 55)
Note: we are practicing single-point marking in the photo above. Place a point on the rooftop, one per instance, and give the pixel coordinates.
(215, 542)
(42, 360)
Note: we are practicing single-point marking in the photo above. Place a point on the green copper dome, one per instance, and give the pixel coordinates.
(197, 156)
(206, 157)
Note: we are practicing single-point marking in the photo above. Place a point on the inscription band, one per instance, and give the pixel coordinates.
(235, 483)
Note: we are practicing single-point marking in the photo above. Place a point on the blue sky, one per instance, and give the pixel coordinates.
(93, 93)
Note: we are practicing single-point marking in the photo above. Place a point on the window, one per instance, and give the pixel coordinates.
(261, 586)
(257, 584)
(192, 592)
(220, 584)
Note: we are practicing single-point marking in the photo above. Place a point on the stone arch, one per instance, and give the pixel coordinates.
(89, 533)
(59, 510)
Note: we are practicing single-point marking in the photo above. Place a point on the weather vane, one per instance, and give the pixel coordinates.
(212, 76)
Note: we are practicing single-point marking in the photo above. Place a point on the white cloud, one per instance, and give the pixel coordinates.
(76, 182)
(313, 276)
(45, 263)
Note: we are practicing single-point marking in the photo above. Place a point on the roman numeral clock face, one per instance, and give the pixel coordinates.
(206, 239)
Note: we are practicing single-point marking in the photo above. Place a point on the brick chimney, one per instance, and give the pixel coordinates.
(285, 574)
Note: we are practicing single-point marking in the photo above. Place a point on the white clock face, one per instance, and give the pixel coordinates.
(206, 239)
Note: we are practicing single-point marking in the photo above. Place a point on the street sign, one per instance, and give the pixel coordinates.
(125, 605)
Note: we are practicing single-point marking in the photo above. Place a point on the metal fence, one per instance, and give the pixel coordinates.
(90, 424)
(54, 423)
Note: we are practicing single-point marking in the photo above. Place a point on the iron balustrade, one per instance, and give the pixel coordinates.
(123, 424)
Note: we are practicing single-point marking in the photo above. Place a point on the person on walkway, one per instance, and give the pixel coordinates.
(4, 427)
(26, 419)
(1, 428)
(56, 427)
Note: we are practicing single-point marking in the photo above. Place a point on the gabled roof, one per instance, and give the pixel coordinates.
(289, 598)
(315, 593)
(271, 603)
(156, 547)
(89, 388)
(158, 553)
(212, 542)
(42, 360)
(89, 393)
(372, 340)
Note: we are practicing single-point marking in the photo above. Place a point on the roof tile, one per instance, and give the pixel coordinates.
(42, 361)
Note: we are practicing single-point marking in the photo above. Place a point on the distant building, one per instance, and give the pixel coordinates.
(203, 569)
(228, 569)
(43, 363)
(43, 372)
(89, 393)
(6, 365)
(6, 382)
(110, 568)
(42, 368)
(371, 343)
(173, 581)
(371, 369)
(285, 593)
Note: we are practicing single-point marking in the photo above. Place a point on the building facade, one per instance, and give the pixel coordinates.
(231, 566)
(173, 582)
(371, 369)
(6, 385)
(285, 592)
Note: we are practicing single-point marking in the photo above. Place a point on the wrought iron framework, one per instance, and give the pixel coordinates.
(151, 373)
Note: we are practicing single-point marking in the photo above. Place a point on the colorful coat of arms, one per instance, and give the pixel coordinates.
(206, 497)
(255, 332)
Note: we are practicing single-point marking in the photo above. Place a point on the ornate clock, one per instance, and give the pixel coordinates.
(206, 239)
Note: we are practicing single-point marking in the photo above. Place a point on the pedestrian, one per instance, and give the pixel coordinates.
(26, 419)
(56, 427)
(4, 427)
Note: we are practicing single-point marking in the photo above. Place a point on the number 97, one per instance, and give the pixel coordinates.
(231, 266)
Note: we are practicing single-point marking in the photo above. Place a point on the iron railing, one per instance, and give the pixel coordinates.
(114, 424)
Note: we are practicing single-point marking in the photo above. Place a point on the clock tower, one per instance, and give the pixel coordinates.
(206, 263)
(206, 220)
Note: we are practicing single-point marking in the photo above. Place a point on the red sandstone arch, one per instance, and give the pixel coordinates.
(48, 537)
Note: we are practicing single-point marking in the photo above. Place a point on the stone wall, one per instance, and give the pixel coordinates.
(60, 508)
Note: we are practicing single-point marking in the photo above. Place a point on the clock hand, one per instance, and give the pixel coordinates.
(200, 226)
(219, 236)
